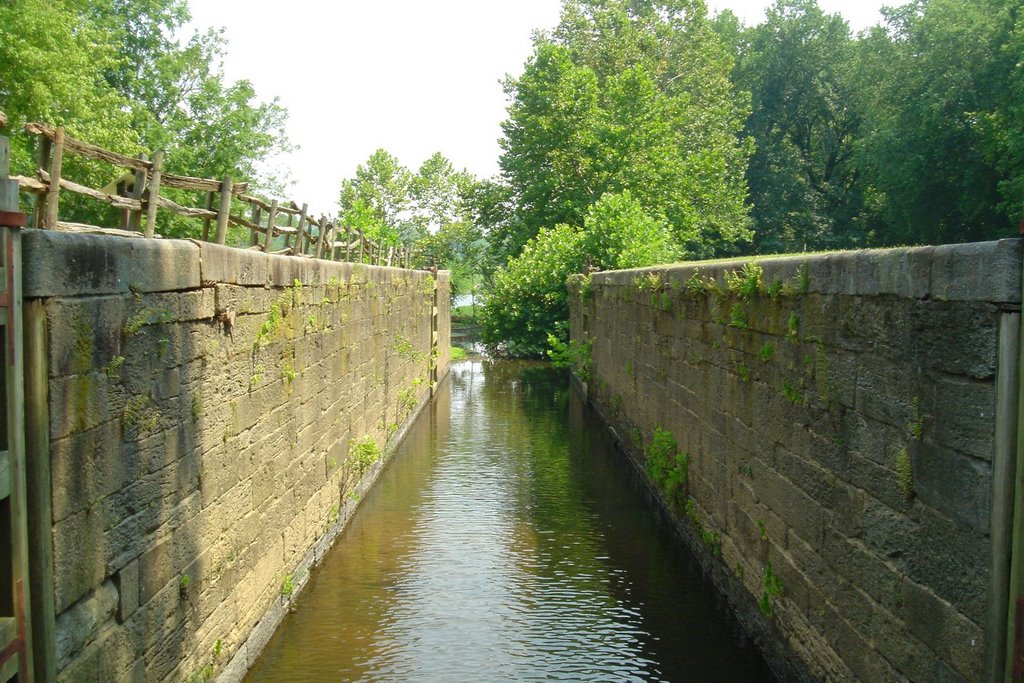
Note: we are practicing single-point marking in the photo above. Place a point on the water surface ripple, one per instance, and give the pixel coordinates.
(507, 541)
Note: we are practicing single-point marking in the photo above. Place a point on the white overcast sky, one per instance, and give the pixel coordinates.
(412, 76)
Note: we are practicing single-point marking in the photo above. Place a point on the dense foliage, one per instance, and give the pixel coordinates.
(906, 134)
(528, 298)
(622, 145)
(431, 209)
(114, 74)
(627, 95)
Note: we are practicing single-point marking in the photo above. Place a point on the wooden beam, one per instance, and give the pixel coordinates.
(268, 237)
(43, 161)
(154, 192)
(53, 196)
(300, 242)
(183, 182)
(139, 186)
(37, 479)
(85, 149)
(254, 235)
(8, 187)
(115, 200)
(206, 220)
(225, 210)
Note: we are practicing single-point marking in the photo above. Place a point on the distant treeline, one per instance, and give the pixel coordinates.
(911, 132)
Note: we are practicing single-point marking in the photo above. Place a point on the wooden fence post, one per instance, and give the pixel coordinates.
(348, 242)
(255, 216)
(320, 237)
(154, 192)
(225, 210)
(8, 188)
(38, 203)
(206, 221)
(135, 217)
(268, 240)
(300, 235)
(53, 195)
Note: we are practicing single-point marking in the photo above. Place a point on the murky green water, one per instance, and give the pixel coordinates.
(507, 541)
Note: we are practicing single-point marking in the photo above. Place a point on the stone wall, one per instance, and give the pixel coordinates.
(845, 424)
(214, 417)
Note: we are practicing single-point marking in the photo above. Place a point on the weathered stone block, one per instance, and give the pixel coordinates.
(128, 591)
(957, 484)
(70, 264)
(163, 265)
(951, 560)
(222, 264)
(85, 334)
(959, 416)
(156, 570)
(85, 467)
(954, 639)
(983, 271)
(79, 625)
(78, 403)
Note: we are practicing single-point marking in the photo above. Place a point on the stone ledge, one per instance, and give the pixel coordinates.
(74, 264)
(980, 271)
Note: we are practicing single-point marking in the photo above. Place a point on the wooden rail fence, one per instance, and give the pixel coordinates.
(137, 195)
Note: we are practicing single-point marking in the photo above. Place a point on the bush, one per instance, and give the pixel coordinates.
(528, 300)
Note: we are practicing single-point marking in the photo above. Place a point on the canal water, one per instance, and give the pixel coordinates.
(508, 541)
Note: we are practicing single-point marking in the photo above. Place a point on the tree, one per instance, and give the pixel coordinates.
(628, 95)
(491, 207)
(443, 222)
(937, 82)
(528, 298)
(51, 69)
(112, 73)
(1004, 125)
(436, 196)
(378, 199)
(805, 187)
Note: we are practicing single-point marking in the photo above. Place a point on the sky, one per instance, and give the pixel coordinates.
(412, 76)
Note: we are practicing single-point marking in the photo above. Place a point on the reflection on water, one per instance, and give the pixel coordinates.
(507, 541)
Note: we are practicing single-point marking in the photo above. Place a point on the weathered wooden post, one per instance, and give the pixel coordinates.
(225, 210)
(255, 216)
(300, 235)
(320, 237)
(53, 194)
(268, 239)
(8, 189)
(38, 200)
(287, 236)
(139, 184)
(153, 192)
(206, 221)
(16, 644)
(348, 242)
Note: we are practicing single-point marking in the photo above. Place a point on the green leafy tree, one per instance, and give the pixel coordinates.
(113, 74)
(1004, 125)
(528, 299)
(51, 69)
(937, 81)
(805, 186)
(627, 96)
(436, 196)
(378, 198)
(446, 233)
